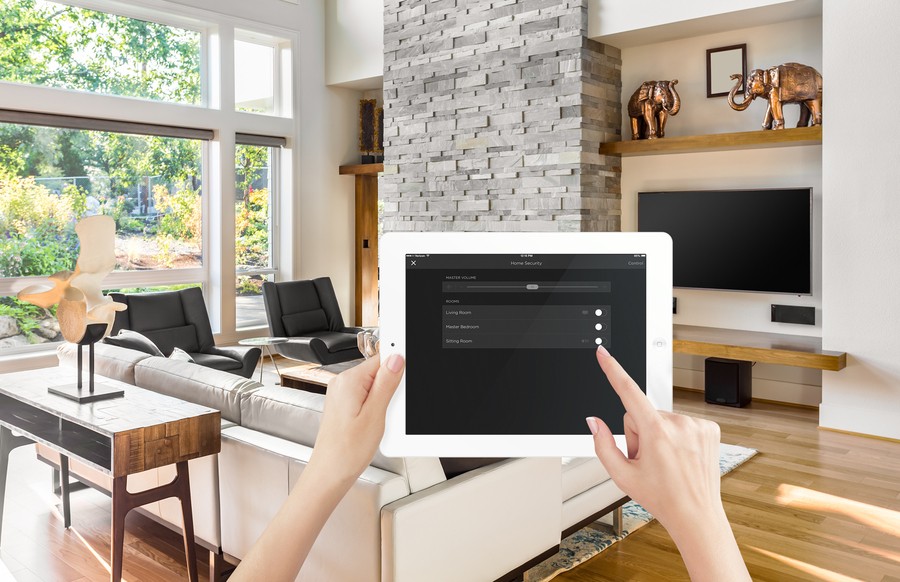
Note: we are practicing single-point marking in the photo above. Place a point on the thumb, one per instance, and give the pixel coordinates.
(386, 381)
(615, 462)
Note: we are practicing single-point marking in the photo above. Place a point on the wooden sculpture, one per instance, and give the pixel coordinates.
(85, 314)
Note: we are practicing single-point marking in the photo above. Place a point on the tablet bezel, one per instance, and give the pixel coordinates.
(393, 248)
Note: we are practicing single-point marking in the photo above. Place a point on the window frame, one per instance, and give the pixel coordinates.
(215, 112)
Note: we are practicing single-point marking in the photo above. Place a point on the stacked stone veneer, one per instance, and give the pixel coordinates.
(494, 113)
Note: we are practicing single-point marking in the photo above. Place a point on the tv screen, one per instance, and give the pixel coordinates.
(735, 240)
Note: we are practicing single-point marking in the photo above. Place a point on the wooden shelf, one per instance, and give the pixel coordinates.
(796, 136)
(362, 169)
(768, 348)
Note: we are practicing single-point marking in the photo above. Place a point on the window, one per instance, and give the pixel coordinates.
(51, 177)
(261, 74)
(126, 145)
(254, 212)
(55, 45)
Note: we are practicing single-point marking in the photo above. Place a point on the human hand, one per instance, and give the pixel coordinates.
(672, 470)
(353, 422)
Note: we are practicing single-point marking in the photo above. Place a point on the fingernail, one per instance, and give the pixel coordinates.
(602, 351)
(592, 424)
(395, 363)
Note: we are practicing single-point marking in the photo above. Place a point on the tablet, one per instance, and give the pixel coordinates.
(499, 331)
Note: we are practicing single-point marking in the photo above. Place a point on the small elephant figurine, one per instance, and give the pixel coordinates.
(787, 83)
(650, 106)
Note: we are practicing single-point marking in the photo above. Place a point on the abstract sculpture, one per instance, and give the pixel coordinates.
(85, 314)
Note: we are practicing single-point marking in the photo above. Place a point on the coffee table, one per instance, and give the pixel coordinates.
(265, 342)
(140, 431)
(314, 377)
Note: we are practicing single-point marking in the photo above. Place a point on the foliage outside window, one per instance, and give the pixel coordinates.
(54, 45)
(253, 231)
(50, 178)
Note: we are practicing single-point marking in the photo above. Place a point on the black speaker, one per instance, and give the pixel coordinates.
(728, 382)
(794, 314)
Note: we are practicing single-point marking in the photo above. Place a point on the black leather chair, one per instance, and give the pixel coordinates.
(178, 319)
(308, 313)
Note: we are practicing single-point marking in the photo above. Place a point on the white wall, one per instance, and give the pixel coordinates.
(327, 140)
(861, 270)
(761, 168)
(685, 60)
(625, 23)
(354, 31)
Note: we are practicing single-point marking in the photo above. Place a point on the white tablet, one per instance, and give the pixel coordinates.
(499, 332)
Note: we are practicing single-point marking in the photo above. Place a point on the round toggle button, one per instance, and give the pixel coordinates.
(598, 341)
(598, 313)
(598, 327)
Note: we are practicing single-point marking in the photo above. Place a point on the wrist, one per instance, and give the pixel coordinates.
(327, 474)
(708, 547)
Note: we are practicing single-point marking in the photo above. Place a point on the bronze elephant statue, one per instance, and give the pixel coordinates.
(650, 107)
(787, 83)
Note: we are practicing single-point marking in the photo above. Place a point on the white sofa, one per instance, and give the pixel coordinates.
(402, 520)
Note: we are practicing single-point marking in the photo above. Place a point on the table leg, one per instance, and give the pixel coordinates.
(277, 371)
(262, 363)
(187, 517)
(123, 502)
(8, 442)
(64, 490)
(117, 539)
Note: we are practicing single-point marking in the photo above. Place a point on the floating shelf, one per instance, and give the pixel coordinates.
(362, 169)
(797, 136)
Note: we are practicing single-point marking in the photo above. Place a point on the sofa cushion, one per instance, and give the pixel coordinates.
(155, 311)
(110, 361)
(134, 341)
(197, 384)
(184, 337)
(336, 341)
(284, 412)
(216, 361)
(580, 474)
(304, 322)
(295, 415)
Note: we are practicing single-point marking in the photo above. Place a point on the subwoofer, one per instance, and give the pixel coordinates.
(728, 382)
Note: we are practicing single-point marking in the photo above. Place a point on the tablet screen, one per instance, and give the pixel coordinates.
(504, 344)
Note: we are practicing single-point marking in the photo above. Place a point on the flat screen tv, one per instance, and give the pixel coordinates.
(735, 240)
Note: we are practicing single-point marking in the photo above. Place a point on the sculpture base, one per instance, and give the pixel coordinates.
(83, 395)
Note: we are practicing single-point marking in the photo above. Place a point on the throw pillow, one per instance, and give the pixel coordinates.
(134, 341)
(181, 355)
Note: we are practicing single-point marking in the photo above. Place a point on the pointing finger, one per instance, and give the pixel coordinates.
(632, 397)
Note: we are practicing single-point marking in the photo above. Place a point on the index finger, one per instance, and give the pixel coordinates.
(634, 399)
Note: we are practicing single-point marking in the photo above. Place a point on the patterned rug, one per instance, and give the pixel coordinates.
(590, 541)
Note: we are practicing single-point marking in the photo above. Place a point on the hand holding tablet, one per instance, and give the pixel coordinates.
(499, 331)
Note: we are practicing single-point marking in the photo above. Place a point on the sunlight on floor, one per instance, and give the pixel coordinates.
(879, 518)
(819, 573)
(93, 552)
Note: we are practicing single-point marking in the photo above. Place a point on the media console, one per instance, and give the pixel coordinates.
(755, 346)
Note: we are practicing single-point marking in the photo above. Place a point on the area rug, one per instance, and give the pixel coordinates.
(590, 541)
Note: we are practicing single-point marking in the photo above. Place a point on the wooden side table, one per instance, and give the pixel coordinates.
(142, 430)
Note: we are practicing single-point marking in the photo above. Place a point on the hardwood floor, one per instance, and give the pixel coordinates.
(814, 505)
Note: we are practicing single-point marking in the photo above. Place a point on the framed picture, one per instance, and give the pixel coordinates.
(721, 63)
